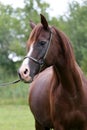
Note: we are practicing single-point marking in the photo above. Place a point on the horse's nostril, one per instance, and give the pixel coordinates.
(26, 71)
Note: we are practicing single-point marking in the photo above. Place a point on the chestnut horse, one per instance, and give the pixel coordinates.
(59, 100)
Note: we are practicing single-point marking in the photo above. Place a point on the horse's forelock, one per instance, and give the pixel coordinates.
(34, 34)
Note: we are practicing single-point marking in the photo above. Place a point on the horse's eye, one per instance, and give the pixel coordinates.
(42, 43)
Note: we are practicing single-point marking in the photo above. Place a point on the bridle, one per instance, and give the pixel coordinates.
(41, 62)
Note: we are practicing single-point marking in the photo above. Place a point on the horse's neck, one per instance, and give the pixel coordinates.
(70, 78)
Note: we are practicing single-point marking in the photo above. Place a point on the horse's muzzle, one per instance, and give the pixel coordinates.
(24, 76)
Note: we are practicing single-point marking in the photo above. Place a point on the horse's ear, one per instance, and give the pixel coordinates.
(32, 25)
(44, 22)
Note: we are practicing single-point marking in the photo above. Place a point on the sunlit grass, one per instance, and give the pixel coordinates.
(14, 94)
(14, 111)
(16, 117)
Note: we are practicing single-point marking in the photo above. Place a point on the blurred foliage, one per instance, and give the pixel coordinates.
(77, 29)
(15, 30)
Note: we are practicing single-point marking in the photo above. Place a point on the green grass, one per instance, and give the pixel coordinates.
(14, 111)
(14, 94)
(16, 117)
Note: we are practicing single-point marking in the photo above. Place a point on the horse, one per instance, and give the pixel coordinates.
(65, 100)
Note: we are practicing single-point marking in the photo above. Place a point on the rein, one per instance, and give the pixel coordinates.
(9, 83)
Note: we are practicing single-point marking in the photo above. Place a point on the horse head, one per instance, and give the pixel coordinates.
(43, 49)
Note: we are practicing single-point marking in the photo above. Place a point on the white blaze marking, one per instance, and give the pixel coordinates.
(26, 60)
